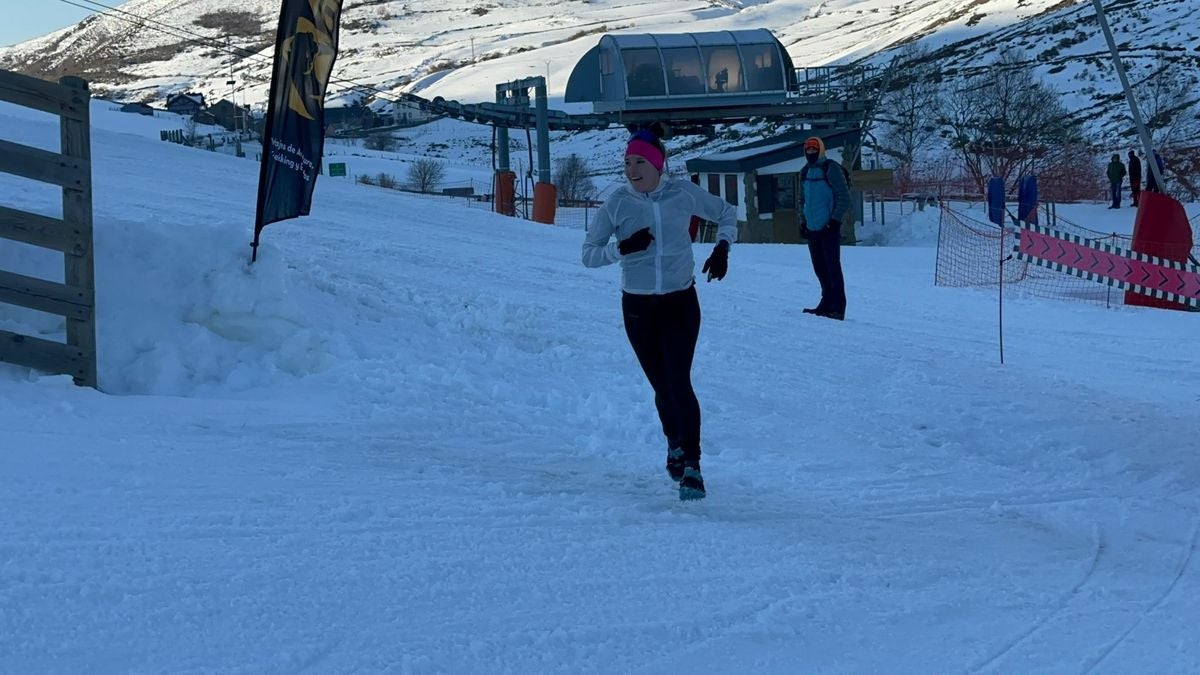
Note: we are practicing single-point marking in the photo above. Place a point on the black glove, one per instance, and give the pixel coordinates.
(638, 241)
(718, 262)
(834, 225)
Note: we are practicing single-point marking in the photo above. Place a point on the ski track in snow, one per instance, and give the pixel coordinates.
(1057, 609)
(1189, 549)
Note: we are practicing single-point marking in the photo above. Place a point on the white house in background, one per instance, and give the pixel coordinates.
(761, 179)
(398, 113)
(189, 103)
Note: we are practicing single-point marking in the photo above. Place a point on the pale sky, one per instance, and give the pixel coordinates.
(27, 19)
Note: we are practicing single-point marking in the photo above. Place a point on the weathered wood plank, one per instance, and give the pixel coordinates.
(872, 179)
(46, 296)
(46, 356)
(40, 165)
(30, 92)
(43, 231)
(80, 271)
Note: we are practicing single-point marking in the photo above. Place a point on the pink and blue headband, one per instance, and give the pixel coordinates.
(646, 149)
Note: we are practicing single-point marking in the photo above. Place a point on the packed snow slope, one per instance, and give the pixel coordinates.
(413, 438)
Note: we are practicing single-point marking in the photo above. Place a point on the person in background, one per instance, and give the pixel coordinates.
(823, 198)
(1135, 178)
(649, 219)
(1152, 182)
(1116, 176)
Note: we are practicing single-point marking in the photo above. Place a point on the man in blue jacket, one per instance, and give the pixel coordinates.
(824, 197)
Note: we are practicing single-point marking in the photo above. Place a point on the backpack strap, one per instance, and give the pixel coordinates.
(825, 173)
(824, 164)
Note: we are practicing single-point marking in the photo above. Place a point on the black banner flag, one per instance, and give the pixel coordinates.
(294, 136)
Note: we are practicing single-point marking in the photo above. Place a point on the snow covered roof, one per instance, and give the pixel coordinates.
(198, 99)
(736, 154)
(782, 154)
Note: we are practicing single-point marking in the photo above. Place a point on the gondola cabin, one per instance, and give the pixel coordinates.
(637, 72)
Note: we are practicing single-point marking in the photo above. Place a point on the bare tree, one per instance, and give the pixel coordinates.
(572, 179)
(1005, 122)
(425, 174)
(190, 134)
(1168, 100)
(1183, 172)
(909, 109)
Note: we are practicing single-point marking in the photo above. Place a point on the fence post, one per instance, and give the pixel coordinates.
(80, 271)
(1108, 287)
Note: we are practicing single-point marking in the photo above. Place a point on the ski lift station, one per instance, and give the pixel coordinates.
(689, 82)
(683, 70)
(693, 81)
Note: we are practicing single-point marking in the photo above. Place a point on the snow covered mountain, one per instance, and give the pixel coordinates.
(459, 49)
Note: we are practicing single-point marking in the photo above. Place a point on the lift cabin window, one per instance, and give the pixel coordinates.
(684, 72)
(763, 70)
(724, 70)
(643, 72)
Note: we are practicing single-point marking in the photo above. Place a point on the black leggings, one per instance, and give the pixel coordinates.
(663, 330)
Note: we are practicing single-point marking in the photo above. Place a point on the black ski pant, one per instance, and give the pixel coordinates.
(1114, 192)
(825, 248)
(1152, 184)
(663, 330)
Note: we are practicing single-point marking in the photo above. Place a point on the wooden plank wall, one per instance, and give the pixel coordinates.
(70, 169)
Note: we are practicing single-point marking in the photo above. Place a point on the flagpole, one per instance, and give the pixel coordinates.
(1000, 304)
(268, 128)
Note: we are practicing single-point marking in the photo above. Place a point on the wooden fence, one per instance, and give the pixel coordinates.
(71, 170)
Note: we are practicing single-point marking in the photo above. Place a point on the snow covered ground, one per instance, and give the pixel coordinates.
(413, 438)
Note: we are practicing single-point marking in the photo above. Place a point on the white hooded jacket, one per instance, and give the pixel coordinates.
(667, 265)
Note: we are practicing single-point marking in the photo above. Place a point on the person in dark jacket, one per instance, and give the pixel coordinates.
(1116, 176)
(649, 220)
(824, 198)
(1152, 182)
(1135, 177)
